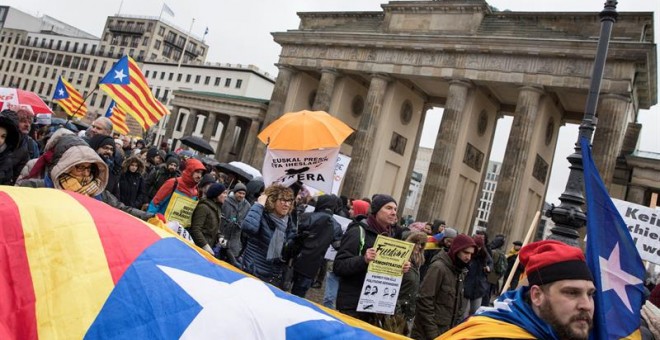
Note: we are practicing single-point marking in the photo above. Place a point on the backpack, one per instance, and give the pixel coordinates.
(500, 263)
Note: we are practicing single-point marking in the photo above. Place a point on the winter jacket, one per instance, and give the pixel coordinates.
(132, 191)
(9, 121)
(318, 231)
(185, 184)
(157, 177)
(440, 300)
(476, 281)
(205, 223)
(260, 232)
(235, 212)
(350, 266)
(407, 300)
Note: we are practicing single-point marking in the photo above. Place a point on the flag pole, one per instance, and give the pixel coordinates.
(530, 231)
(167, 104)
(568, 216)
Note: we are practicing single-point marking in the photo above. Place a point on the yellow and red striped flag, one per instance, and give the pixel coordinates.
(126, 84)
(117, 116)
(73, 267)
(69, 99)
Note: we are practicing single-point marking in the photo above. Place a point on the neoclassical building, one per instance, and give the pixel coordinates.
(381, 71)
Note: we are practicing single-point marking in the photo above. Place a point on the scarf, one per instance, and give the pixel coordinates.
(279, 235)
(510, 309)
(88, 186)
(380, 230)
(40, 165)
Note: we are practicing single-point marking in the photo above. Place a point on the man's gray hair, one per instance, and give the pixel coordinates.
(106, 123)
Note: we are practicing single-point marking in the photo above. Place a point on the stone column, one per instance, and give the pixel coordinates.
(413, 158)
(325, 90)
(227, 139)
(209, 126)
(171, 123)
(275, 109)
(442, 157)
(250, 141)
(508, 191)
(610, 130)
(190, 123)
(636, 194)
(356, 175)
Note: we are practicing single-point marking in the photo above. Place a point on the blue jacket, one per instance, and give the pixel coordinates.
(260, 233)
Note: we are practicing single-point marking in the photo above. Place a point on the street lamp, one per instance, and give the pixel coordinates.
(568, 216)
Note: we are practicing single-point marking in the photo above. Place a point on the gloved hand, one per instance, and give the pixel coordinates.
(208, 249)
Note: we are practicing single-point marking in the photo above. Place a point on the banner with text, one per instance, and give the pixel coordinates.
(644, 226)
(340, 171)
(314, 168)
(381, 286)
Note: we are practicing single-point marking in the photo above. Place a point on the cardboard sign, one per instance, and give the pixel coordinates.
(340, 172)
(314, 168)
(644, 226)
(180, 209)
(381, 286)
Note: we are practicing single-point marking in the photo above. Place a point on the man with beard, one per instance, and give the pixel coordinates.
(105, 148)
(102, 126)
(557, 304)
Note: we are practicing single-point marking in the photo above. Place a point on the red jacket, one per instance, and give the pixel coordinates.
(186, 184)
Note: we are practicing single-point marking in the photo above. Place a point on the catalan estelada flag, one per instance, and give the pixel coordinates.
(613, 259)
(126, 84)
(69, 99)
(72, 267)
(117, 116)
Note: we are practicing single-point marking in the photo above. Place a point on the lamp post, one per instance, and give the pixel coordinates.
(568, 216)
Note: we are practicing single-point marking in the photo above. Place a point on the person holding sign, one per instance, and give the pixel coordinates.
(177, 198)
(356, 252)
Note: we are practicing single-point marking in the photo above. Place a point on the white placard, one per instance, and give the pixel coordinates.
(644, 226)
(340, 172)
(343, 222)
(314, 168)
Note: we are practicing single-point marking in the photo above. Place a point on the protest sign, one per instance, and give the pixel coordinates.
(314, 168)
(381, 286)
(340, 171)
(343, 222)
(644, 226)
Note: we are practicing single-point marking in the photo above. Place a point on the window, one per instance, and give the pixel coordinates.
(157, 92)
(165, 94)
(54, 74)
(217, 81)
(197, 79)
(84, 49)
(157, 44)
(146, 74)
(171, 76)
(154, 75)
(227, 82)
(93, 101)
(162, 75)
(178, 77)
(179, 121)
(103, 99)
(145, 41)
(188, 76)
(207, 80)
(161, 31)
(102, 70)
(29, 69)
(239, 82)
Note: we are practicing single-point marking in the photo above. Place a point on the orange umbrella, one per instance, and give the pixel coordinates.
(305, 130)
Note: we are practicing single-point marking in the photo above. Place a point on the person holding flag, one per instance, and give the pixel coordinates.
(69, 99)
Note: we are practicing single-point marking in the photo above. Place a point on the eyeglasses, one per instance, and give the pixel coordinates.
(284, 200)
(80, 167)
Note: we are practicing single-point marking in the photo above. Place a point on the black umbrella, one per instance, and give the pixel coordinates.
(240, 174)
(198, 144)
(210, 161)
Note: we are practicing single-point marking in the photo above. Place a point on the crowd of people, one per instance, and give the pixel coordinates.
(281, 235)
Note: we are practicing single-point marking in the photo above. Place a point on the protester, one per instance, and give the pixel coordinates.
(105, 147)
(204, 184)
(499, 267)
(407, 299)
(269, 226)
(9, 139)
(161, 174)
(476, 284)
(316, 230)
(358, 208)
(206, 219)
(438, 242)
(234, 211)
(132, 191)
(557, 304)
(356, 252)
(76, 167)
(177, 198)
(440, 300)
(511, 257)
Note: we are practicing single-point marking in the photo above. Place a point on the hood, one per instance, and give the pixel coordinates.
(254, 188)
(55, 138)
(64, 143)
(328, 202)
(76, 155)
(9, 120)
(129, 160)
(192, 165)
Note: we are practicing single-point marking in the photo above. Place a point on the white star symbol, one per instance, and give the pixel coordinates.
(245, 309)
(120, 75)
(615, 278)
(61, 92)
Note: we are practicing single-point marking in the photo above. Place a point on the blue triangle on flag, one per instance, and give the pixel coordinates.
(118, 74)
(60, 91)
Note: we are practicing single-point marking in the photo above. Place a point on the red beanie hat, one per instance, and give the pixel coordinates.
(360, 207)
(549, 261)
(461, 242)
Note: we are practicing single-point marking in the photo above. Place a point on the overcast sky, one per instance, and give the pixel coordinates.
(239, 32)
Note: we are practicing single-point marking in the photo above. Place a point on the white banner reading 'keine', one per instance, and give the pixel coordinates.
(315, 168)
(644, 226)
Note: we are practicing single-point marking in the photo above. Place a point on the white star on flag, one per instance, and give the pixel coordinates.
(120, 75)
(61, 92)
(244, 309)
(616, 279)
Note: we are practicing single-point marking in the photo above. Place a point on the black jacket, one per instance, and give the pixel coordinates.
(349, 263)
(132, 191)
